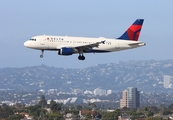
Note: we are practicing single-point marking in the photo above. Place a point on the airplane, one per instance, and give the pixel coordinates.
(68, 45)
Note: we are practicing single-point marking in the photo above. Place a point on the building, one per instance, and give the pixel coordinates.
(99, 91)
(109, 92)
(130, 98)
(133, 98)
(166, 81)
(83, 113)
(52, 91)
(123, 101)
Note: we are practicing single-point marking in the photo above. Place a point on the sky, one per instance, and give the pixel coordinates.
(21, 20)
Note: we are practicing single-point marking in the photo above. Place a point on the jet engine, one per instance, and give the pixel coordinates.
(65, 51)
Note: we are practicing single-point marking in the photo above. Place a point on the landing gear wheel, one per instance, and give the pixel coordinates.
(81, 57)
(42, 52)
(41, 56)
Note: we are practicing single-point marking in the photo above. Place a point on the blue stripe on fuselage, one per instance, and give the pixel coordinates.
(90, 51)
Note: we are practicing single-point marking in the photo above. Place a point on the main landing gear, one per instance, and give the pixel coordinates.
(42, 52)
(81, 57)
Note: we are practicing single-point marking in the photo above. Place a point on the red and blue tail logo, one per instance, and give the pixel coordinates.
(133, 31)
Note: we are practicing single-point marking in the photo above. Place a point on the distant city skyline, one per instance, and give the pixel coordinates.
(23, 19)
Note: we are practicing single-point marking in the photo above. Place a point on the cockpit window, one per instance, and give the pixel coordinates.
(32, 39)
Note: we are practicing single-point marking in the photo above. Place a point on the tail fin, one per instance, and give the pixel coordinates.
(133, 32)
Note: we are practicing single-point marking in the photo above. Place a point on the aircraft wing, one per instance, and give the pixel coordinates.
(89, 46)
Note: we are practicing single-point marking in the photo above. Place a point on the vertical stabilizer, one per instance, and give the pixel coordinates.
(133, 32)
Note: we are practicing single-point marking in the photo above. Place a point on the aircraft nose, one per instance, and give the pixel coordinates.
(26, 44)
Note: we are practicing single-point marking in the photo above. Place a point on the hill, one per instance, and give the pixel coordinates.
(147, 76)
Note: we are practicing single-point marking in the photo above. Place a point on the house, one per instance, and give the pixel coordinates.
(83, 113)
(25, 115)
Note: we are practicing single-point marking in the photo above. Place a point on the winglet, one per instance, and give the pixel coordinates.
(133, 32)
(103, 41)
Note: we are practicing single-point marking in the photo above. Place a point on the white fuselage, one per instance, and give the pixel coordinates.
(55, 43)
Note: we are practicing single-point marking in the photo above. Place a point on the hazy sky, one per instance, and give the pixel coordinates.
(21, 19)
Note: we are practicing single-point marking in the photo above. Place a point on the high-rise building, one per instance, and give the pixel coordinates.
(133, 98)
(130, 98)
(166, 81)
(123, 101)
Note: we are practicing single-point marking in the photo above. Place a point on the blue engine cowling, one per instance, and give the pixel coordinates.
(65, 51)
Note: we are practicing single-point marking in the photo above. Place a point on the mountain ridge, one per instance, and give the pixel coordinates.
(146, 75)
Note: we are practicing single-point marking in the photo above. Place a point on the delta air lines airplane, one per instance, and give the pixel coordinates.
(66, 45)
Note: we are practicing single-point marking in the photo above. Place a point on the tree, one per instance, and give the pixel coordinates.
(125, 109)
(153, 118)
(153, 109)
(99, 116)
(150, 113)
(34, 111)
(55, 106)
(18, 106)
(146, 108)
(88, 115)
(111, 115)
(162, 108)
(170, 107)
(92, 105)
(5, 111)
(74, 112)
(78, 107)
(42, 101)
(15, 117)
(136, 115)
(166, 112)
(54, 116)
(70, 106)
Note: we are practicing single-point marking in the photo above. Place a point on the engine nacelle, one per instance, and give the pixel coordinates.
(65, 51)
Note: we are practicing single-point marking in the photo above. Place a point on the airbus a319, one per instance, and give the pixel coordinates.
(66, 45)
